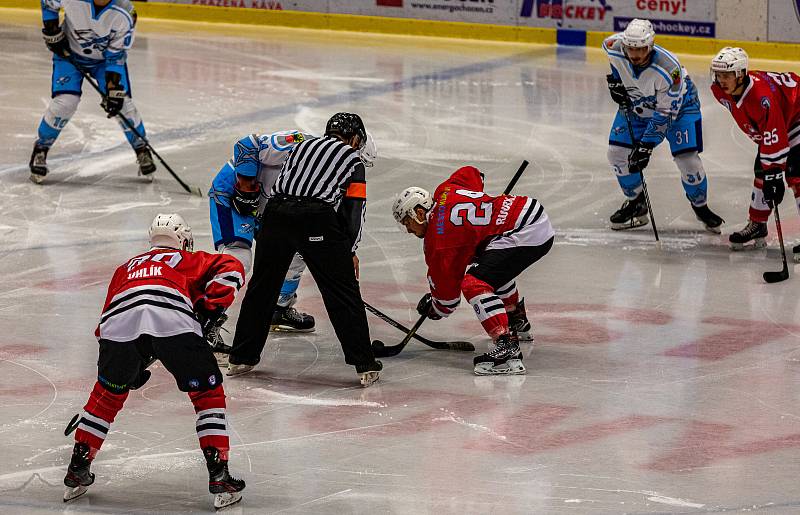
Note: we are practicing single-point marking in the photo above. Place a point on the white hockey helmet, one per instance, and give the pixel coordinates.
(368, 151)
(729, 59)
(404, 204)
(172, 231)
(639, 34)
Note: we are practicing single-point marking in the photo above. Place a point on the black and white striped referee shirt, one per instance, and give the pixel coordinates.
(320, 168)
(329, 170)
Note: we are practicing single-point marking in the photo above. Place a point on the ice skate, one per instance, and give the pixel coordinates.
(752, 236)
(78, 478)
(226, 488)
(369, 374)
(237, 370)
(504, 359)
(796, 253)
(38, 164)
(710, 220)
(518, 323)
(633, 213)
(218, 345)
(146, 164)
(291, 321)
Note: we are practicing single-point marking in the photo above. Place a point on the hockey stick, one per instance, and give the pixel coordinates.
(72, 425)
(382, 351)
(644, 184)
(378, 347)
(456, 345)
(775, 277)
(192, 190)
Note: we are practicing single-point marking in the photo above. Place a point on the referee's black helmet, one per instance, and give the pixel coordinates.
(346, 125)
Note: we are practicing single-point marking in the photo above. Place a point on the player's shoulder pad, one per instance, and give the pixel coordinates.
(285, 140)
(613, 45)
(126, 9)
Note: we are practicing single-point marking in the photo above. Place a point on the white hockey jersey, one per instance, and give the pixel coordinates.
(261, 156)
(660, 91)
(104, 34)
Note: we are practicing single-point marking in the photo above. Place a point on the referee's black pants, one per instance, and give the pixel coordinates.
(313, 229)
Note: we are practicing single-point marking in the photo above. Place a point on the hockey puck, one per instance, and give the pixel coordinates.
(377, 345)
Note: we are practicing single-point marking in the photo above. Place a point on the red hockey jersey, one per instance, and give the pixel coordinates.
(157, 292)
(769, 113)
(464, 221)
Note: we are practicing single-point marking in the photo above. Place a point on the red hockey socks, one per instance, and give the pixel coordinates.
(212, 426)
(488, 306)
(509, 295)
(97, 417)
(759, 211)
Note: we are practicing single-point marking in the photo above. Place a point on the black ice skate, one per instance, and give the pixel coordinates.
(796, 253)
(226, 488)
(369, 374)
(292, 321)
(755, 232)
(38, 164)
(78, 477)
(633, 213)
(709, 218)
(504, 359)
(218, 345)
(146, 164)
(518, 323)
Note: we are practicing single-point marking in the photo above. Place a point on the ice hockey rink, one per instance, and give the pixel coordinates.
(663, 380)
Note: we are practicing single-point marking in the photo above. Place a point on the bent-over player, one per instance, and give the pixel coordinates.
(766, 106)
(477, 244)
(157, 306)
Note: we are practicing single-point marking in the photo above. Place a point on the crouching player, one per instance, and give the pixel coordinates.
(477, 244)
(158, 305)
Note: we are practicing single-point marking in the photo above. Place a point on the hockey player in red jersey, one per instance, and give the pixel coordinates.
(157, 306)
(477, 244)
(766, 106)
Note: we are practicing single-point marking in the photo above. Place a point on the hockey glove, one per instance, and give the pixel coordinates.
(55, 39)
(773, 188)
(639, 157)
(425, 307)
(115, 96)
(245, 202)
(209, 319)
(618, 92)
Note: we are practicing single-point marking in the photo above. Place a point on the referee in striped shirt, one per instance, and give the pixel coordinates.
(316, 208)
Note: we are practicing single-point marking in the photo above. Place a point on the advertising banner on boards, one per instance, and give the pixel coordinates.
(783, 22)
(675, 17)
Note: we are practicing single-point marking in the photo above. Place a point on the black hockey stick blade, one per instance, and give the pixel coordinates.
(457, 346)
(191, 189)
(394, 350)
(776, 277)
(72, 425)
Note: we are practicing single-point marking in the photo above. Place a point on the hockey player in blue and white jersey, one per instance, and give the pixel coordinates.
(95, 35)
(237, 197)
(660, 100)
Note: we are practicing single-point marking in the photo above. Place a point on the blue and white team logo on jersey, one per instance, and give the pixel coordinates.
(88, 40)
(61, 81)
